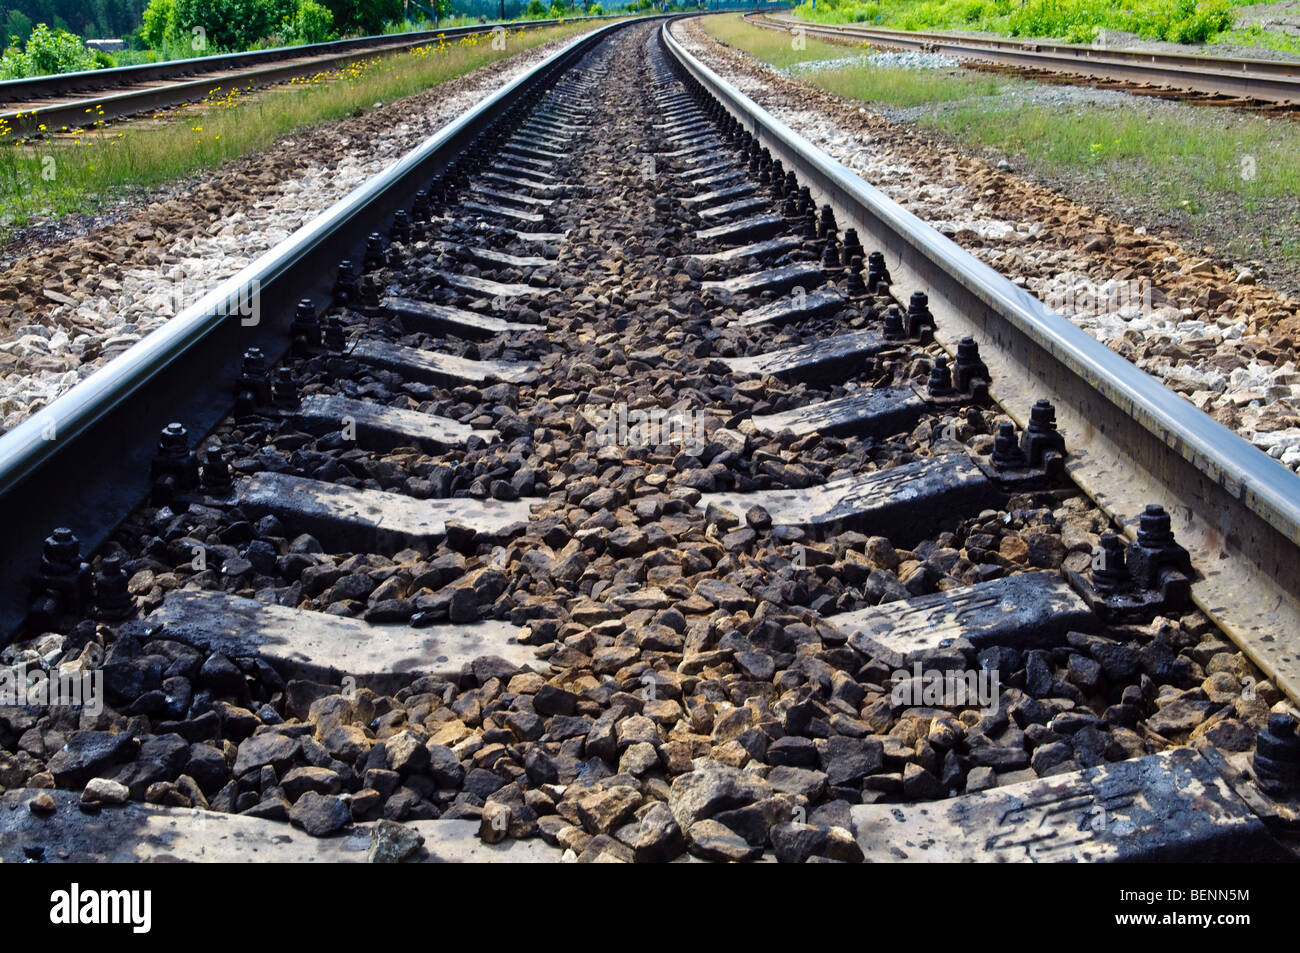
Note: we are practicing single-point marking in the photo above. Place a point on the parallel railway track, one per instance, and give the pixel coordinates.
(75, 100)
(1238, 79)
(619, 473)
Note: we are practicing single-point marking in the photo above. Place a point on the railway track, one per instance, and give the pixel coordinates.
(617, 477)
(1233, 81)
(66, 100)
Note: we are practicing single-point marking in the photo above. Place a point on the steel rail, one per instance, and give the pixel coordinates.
(83, 461)
(235, 70)
(1132, 441)
(1271, 81)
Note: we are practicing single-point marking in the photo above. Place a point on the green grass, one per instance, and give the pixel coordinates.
(1184, 161)
(1178, 21)
(772, 47)
(1198, 163)
(1255, 35)
(79, 171)
(897, 87)
(868, 83)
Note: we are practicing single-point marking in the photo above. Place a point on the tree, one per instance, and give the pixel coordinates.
(159, 23)
(17, 26)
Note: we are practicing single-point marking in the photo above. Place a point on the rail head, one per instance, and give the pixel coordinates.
(1238, 506)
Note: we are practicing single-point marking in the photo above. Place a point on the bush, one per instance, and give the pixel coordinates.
(230, 24)
(595, 10)
(47, 51)
(1179, 21)
(311, 23)
(364, 16)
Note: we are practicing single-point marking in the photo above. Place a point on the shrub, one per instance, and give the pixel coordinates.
(310, 23)
(47, 51)
(231, 24)
(364, 16)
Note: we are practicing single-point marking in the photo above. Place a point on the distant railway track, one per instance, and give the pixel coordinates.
(1235, 80)
(618, 474)
(74, 100)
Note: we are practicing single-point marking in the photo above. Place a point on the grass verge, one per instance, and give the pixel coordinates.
(1214, 168)
(78, 171)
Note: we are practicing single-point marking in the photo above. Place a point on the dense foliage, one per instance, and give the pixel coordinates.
(1179, 21)
(46, 51)
(87, 18)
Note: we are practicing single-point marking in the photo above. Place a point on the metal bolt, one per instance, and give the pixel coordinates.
(1109, 573)
(374, 257)
(334, 337)
(1041, 436)
(919, 317)
(1277, 756)
(284, 389)
(940, 382)
(852, 246)
(304, 331)
(893, 329)
(831, 257)
(173, 441)
(345, 285)
(112, 600)
(401, 230)
(877, 273)
(827, 223)
(855, 286)
(1154, 527)
(215, 471)
(1007, 454)
(969, 366)
(62, 551)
